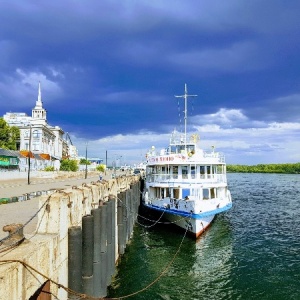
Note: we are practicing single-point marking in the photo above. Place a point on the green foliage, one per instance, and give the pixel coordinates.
(49, 169)
(9, 135)
(84, 161)
(69, 165)
(266, 168)
(101, 168)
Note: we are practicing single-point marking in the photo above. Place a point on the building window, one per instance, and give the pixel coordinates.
(35, 146)
(35, 134)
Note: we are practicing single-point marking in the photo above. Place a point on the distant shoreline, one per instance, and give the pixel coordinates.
(266, 168)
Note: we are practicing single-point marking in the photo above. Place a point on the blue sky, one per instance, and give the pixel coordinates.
(109, 71)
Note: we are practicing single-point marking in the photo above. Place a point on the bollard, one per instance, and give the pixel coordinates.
(88, 285)
(109, 241)
(15, 234)
(100, 248)
(119, 208)
(74, 260)
(96, 213)
(87, 245)
(129, 214)
(114, 230)
(104, 273)
(121, 239)
(87, 254)
(120, 219)
(126, 216)
(97, 291)
(103, 228)
(103, 245)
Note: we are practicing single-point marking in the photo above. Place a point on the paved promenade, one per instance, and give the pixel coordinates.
(22, 211)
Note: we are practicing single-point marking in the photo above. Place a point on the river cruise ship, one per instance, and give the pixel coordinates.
(185, 184)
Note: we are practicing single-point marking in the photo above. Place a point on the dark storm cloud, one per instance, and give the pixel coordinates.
(113, 67)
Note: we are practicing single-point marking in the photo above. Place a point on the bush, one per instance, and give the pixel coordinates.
(69, 165)
(101, 168)
(49, 169)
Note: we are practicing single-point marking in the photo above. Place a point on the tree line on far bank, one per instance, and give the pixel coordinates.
(288, 168)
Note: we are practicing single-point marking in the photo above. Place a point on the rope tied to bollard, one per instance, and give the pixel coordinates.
(22, 227)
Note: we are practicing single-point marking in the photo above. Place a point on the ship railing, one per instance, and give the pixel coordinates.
(173, 203)
(192, 205)
(215, 155)
(208, 178)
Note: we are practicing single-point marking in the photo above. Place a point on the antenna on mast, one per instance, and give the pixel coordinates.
(185, 96)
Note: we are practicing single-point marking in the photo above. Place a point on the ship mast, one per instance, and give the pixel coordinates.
(185, 96)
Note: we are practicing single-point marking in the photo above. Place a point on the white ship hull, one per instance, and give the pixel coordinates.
(194, 227)
(193, 224)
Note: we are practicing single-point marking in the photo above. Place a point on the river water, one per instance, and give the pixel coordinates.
(249, 252)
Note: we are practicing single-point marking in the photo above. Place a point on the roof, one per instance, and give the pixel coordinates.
(11, 153)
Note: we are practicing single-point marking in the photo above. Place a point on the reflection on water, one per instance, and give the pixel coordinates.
(249, 252)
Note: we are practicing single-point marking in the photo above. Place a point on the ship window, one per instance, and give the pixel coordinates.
(176, 193)
(193, 172)
(173, 149)
(202, 170)
(158, 170)
(181, 148)
(219, 169)
(185, 193)
(191, 148)
(167, 192)
(205, 194)
(213, 193)
(175, 172)
(184, 172)
(157, 193)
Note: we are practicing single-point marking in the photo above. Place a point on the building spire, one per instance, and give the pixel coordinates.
(39, 113)
(39, 103)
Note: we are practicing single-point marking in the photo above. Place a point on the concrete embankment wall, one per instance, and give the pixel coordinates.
(11, 175)
(81, 233)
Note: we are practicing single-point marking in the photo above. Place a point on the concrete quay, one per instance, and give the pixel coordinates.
(22, 211)
(38, 263)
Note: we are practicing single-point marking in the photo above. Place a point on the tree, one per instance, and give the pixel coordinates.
(84, 161)
(68, 165)
(9, 135)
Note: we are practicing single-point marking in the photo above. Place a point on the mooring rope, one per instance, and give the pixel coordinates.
(150, 220)
(160, 275)
(85, 296)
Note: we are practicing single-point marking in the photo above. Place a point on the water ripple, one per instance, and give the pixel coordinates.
(250, 252)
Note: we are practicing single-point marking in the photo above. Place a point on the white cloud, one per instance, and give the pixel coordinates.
(225, 117)
(32, 79)
(273, 143)
(23, 85)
